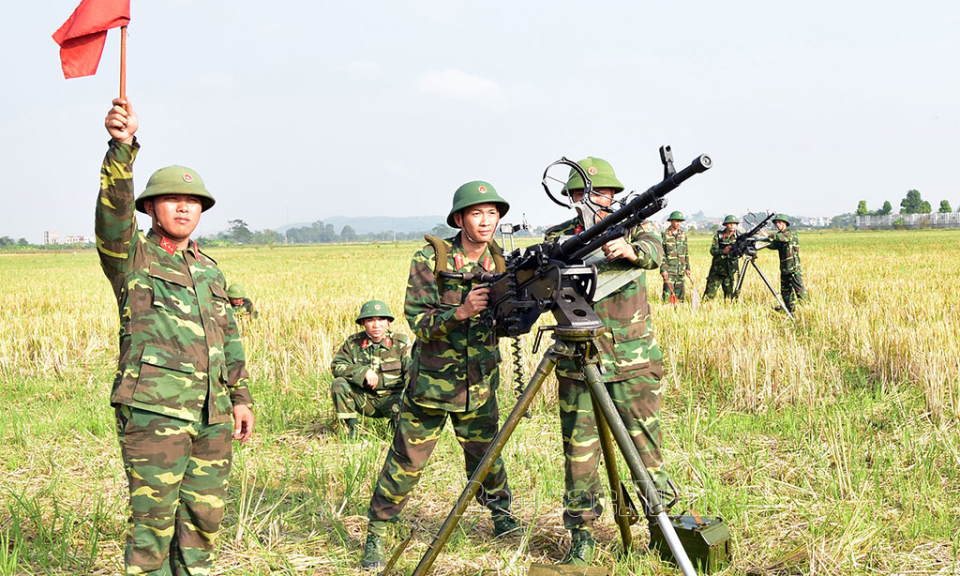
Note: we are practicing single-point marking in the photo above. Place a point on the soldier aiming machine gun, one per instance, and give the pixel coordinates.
(746, 246)
(559, 277)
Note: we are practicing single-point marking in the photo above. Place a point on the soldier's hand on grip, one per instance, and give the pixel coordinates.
(122, 121)
(619, 248)
(476, 302)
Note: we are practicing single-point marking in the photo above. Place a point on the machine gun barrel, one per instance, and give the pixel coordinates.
(747, 241)
(634, 212)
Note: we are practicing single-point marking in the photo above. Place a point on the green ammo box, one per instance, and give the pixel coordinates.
(705, 539)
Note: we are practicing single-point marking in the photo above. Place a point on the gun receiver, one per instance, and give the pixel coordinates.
(747, 243)
(552, 277)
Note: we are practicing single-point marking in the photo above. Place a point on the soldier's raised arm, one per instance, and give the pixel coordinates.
(115, 220)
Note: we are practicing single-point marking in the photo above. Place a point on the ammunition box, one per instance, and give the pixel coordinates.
(705, 539)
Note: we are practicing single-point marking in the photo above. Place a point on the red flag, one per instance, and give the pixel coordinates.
(82, 36)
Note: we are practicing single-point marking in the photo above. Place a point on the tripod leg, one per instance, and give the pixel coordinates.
(774, 292)
(613, 475)
(743, 270)
(543, 370)
(641, 476)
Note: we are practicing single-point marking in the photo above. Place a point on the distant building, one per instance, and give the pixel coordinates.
(78, 240)
(930, 220)
(51, 237)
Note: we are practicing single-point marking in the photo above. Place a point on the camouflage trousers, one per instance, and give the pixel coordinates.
(638, 402)
(350, 401)
(416, 436)
(791, 288)
(676, 282)
(716, 280)
(177, 473)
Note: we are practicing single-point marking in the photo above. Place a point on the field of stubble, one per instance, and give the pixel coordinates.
(829, 445)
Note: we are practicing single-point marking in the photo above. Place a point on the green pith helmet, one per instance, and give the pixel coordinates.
(473, 193)
(175, 180)
(783, 218)
(676, 215)
(235, 291)
(374, 309)
(600, 173)
(731, 219)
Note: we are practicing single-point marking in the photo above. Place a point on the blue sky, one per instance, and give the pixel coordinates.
(320, 109)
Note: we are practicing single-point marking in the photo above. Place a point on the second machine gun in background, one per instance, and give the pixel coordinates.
(554, 277)
(746, 246)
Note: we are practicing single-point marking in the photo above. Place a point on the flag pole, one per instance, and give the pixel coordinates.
(123, 62)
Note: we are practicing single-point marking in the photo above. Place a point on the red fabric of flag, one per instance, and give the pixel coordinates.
(82, 36)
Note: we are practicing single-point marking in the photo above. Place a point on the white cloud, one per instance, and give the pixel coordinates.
(459, 84)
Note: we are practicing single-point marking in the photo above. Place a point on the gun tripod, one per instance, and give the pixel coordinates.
(749, 259)
(578, 343)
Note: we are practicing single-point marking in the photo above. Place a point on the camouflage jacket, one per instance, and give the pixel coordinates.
(246, 309)
(788, 245)
(627, 346)
(455, 364)
(723, 264)
(179, 347)
(676, 256)
(390, 359)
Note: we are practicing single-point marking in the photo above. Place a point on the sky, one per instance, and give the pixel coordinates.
(300, 111)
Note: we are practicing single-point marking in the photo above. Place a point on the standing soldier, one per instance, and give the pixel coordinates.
(791, 277)
(725, 268)
(676, 258)
(454, 370)
(179, 391)
(370, 369)
(630, 357)
(242, 306)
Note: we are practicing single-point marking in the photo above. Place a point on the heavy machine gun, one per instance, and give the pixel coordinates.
(746, 246)
(561, 277)
(551, 276)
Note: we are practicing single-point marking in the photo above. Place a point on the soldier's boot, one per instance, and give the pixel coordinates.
(583, 548)
(374, 555)
(352, 428)
(505, 523)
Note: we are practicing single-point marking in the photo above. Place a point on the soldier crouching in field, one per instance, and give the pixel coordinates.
(455, 368)
(724, 269)
(370, 369)
(629, 354)
(179, 392)
(242, 306)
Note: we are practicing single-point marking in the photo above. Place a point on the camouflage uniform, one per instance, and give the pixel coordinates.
(245, 310)
(725, 269)
(791, 277)
(633, 363)
(676, 263)
(454, 374)
(181, 371)
(390, 359)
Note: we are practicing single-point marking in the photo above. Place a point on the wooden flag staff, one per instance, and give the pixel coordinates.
(123, 62)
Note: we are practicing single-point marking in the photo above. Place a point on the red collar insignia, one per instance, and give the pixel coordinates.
(577, 229)
(366, 342)
(458, 260)
(388, 342)
(168, 246)
(487, 262)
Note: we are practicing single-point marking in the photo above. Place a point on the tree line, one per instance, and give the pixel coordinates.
(912, 203)
(318, 232)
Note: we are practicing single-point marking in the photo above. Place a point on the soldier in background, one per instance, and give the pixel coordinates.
(455, 368)
(676, 258)
(370, 369)
(785, 242)
(724, 269)
(632, 361)
(179, 391)
(242, 306)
